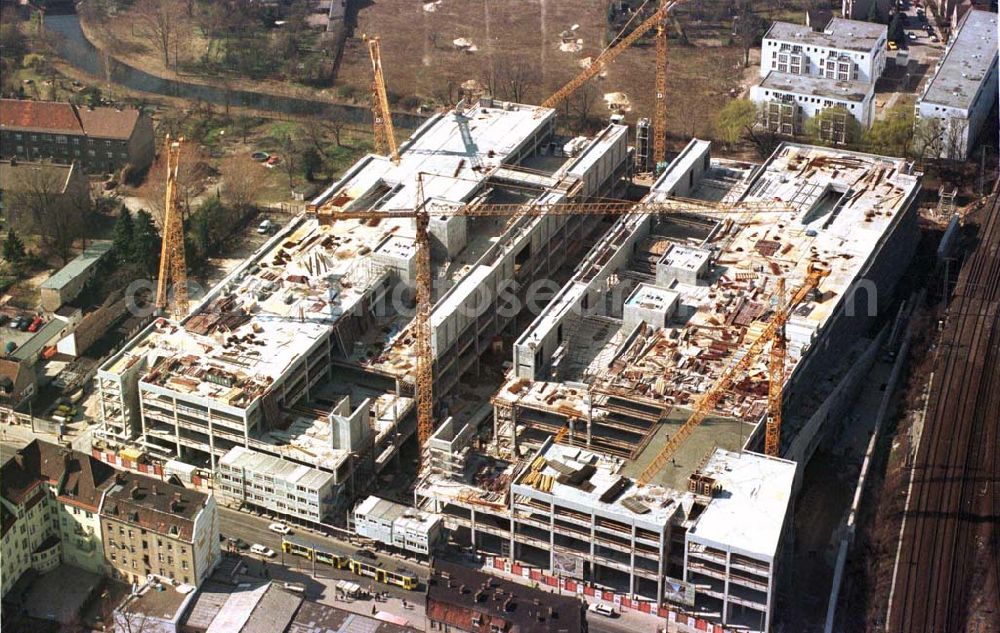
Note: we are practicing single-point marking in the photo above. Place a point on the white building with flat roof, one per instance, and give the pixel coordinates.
(963, 89)
(804, 72)
(396, 525)
(277, 485)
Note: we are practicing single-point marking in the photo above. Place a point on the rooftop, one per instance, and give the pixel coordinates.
(80, 478)
(856, 91)
(748, 514)
(295, 474)
(971, 52)
(58, 117)
(313, 617)
(453, 591)
(78, 265)
(853, 35)
(11, 171)
(154, 505)
(154, 602)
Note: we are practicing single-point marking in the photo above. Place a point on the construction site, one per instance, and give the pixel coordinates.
(587, 357)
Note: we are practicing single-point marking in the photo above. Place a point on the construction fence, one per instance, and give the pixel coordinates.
(674, 619)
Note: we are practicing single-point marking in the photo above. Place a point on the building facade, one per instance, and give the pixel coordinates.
(101, 140)
(961, 94)
(51, 498)
(804, 72)
(395, 525)
(154, 529)
(280, 486)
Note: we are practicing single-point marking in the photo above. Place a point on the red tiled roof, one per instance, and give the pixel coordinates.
(51, 116)
(154, 505)
(109, 122)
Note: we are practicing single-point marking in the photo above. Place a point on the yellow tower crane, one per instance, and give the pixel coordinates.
(776, 374)
(611, 53)
(172, 279)
(729, 376)
(424, 358)
(385, 135)
(660, 106)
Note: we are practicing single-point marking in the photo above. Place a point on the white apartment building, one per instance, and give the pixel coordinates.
(278, 485)
(397, 525)
(789, 100)
(845, 50)
(963, 89)
(804, 72)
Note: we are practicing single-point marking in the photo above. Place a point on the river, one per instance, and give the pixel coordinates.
(79, 52)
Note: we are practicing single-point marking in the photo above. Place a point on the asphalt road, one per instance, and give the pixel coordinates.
(253, 529)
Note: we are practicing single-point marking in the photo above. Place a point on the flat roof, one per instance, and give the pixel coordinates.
(77, 266)
(163, 605)
(856, 91)
(971, 52)
(276, 467)
(749, 514)
(853, 35)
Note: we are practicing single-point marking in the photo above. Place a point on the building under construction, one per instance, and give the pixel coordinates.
(656, 313)
(305, 352)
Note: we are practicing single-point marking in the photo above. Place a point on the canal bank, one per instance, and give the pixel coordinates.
(73, 46)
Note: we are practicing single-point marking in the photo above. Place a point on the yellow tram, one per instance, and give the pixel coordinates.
(311, 551)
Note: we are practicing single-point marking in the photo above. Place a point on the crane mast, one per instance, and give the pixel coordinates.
(660, 107)
(776, 375)
(172, 279)
(385, 135)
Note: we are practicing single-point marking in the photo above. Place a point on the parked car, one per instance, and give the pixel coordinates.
(602, 609)
(911, 36)
(264, 227)
(262, 550)
(260, 156)
(893, 46)
(24, 324)
(273, 160)
(365, 554)
(240, 544)
(35, 324)
(15, 323)
(280, 528)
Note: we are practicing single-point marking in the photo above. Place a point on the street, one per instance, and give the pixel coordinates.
(253, 529)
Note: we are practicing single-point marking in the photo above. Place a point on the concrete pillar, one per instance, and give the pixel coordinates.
(552, 535)
(725, 590)
(631, 570)
(472, 531)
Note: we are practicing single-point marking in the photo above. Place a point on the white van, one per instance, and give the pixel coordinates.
(264, 227)
(261, 550)
(602, 609)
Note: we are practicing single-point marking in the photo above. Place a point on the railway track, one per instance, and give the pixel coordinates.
(954, 496)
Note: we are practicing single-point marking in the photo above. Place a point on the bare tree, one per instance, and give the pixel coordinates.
(39, 201)
(240, 182)
(581, 104)
(748, 28)
(955, 131)
(160, 24)
(511, 78)
(289, 147)
(927, 138)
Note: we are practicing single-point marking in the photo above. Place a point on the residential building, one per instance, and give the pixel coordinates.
(66, 283)
(615, 362)
(51, 497)
(396, 525)
(152, 529)
(804, 72)
(464, 599)
(866, 10)
(65, 185)
(963, 90)
(102, 140)
(17, 383)
(275, 485)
